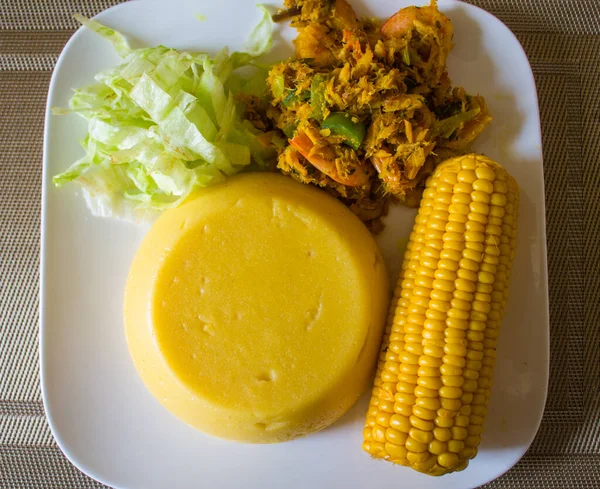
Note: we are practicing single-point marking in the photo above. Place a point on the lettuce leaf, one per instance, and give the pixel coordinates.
(164, 123)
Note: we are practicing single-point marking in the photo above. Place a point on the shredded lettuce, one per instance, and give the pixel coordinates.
(165, 123)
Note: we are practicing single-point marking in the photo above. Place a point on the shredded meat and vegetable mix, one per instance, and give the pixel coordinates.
(368, 110)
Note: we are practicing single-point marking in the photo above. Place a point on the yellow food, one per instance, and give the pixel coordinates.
(255, 312)
(434, 376)
(369, 110)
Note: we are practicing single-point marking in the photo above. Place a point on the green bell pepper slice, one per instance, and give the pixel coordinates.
(317, 95)
(342, 125)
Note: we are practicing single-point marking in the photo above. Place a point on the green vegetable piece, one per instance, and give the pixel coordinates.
(447, 126)
(292, 98)
(164, 123)
(260, 39)
(317, 95)
(278, 86)
(289, 130)
(448, 110)
(341, 124)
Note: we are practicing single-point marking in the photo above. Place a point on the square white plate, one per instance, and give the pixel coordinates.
(101, 414)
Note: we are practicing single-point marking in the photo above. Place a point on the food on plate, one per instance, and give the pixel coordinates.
(369, 110)
(255, 311)
(164, 123)
(364, 111)
(434, 375)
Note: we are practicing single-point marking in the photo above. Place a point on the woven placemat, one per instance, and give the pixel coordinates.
(562, 40)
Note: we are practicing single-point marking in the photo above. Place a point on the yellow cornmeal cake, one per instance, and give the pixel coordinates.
(255, 311)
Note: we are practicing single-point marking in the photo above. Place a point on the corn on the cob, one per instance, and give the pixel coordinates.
(435, 368)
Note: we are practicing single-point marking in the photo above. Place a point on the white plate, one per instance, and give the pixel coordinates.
(101, 414)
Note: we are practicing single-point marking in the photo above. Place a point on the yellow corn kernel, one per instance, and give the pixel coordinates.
(426, 465)
(462, 420)
(473, 354)
(396, 451)
(437, 447)
(485, 186)
(421, 391)
(467, 275)
(467, 398)
(452, 333)
(467, 453)
(451, 404)
(476, 422)
(406, 378)
(387, 406)
(464, 285)
(400, 423)
(474, 364)
(416, 446)
(472, 441)
(383, 419)
(375, 449)
(479, 410)
(454, 360)
(452, 380)
(458, 432)
(403, 409)
(398, 437)
(486, 173)
(423, 413)
(446, 413)
(448, 177)
(433, 351)
(423, 436)
(428, 371)
(420, 424)
(443, 422)
(470, 385)
(417, 457)
(465, 409)
(405, 398)
(477, 217)
(476, 336)
(448, 460)
(405, 387)
(462, 188)
(467, 176)
(428, 403)
(378, 433)
(456, 446)
(389, 376)
(454, 349)
(407, 368)
(440, 295)
(450, 370)
(410, 358)
(429, 361)
(442, 434)
(433, 336)
(499, 200)
(430, 382)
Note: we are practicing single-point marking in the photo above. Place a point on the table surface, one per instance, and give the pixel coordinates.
(562, 40)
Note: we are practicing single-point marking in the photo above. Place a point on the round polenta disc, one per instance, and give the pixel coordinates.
(255, 311)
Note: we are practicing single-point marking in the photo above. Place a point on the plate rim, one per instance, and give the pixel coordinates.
(90, 472)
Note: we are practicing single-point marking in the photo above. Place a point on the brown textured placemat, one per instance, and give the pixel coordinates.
(562, 40)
